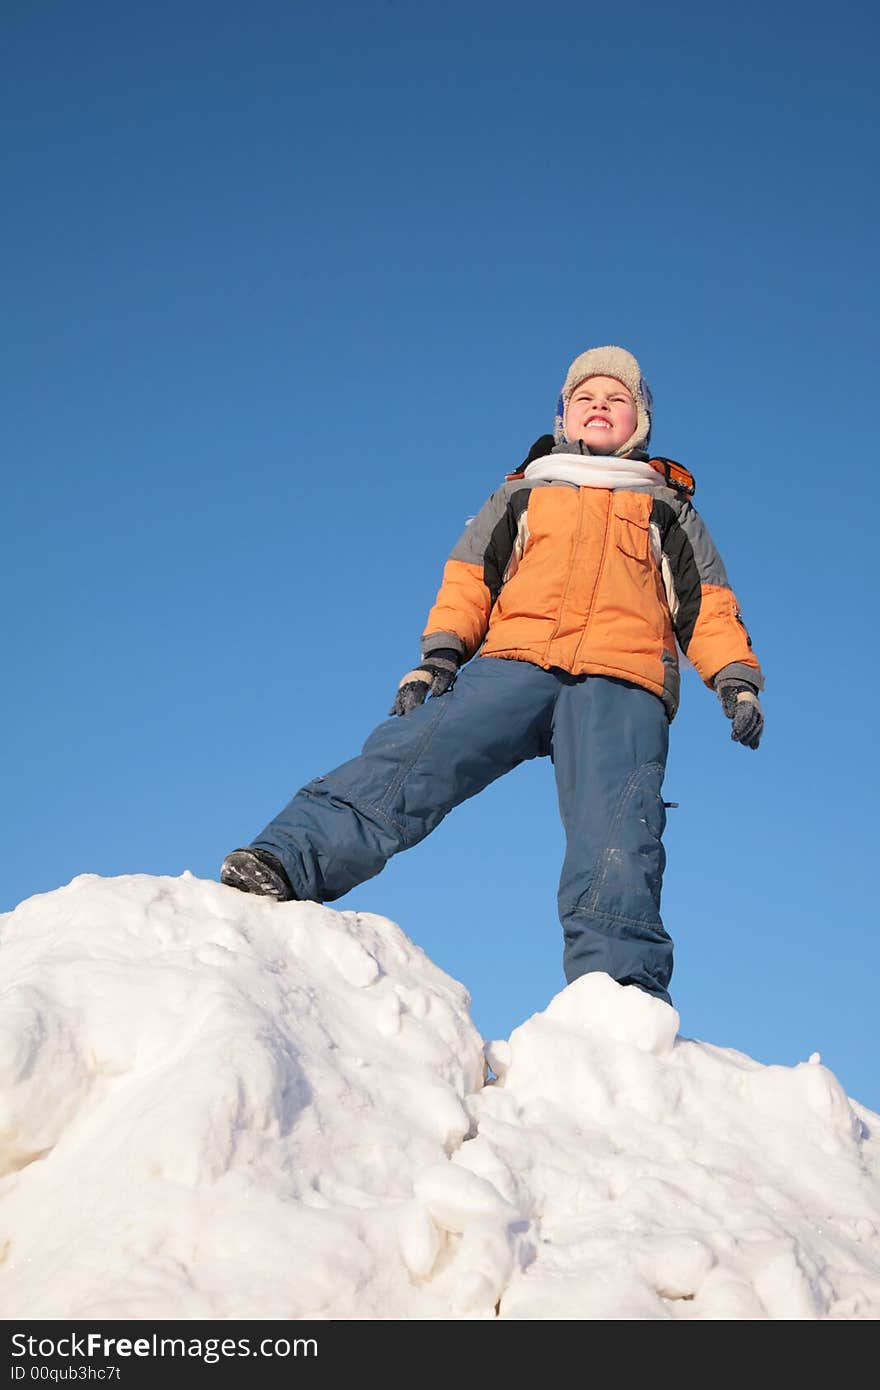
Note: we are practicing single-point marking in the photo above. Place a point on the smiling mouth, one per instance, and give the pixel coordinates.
(602, 424)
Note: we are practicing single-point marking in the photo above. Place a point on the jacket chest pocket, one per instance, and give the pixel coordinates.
(632, 518)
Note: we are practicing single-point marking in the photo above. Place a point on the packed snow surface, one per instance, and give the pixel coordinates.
(216, 1106)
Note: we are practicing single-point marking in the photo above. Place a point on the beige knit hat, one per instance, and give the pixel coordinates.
(616, 362)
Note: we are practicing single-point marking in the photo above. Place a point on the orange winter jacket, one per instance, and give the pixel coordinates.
(594, 580)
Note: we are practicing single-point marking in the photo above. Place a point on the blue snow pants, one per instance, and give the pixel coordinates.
(608, 741)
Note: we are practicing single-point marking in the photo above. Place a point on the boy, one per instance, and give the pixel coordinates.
(570, 588)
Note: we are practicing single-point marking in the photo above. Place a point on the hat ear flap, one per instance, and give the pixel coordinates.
(559, 423)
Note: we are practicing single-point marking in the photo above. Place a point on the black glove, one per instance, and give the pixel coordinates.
(539, 449)
(739, 700)
(435, 675)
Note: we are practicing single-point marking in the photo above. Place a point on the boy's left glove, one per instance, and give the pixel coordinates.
(540, 449)
(739, 700)
(436, 674)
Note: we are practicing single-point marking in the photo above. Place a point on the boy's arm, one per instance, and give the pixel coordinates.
(459, 619)
(705, 613)
(473, 576)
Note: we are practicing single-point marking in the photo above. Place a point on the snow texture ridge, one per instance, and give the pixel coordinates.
(216, 1106)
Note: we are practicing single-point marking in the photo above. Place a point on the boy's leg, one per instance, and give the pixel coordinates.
(343, 828)
(610, 740)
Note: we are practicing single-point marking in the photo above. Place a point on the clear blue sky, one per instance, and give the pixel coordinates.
(287, 289)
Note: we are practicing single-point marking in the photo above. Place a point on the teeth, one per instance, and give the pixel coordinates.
(603, 424)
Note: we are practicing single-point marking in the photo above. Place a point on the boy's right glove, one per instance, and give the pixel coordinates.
(436, 674)
(739, 700)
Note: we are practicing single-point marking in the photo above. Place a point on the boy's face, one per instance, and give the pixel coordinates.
(602, 413)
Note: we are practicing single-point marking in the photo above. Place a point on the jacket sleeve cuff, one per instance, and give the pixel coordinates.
(739, 671)
(434, 641)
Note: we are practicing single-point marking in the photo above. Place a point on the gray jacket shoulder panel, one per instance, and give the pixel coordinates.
(474, 541)
(703, 549)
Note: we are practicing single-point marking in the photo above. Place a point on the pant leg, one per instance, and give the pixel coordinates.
(341, 829)
(610, 741)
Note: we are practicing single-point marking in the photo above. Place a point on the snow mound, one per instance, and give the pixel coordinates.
(216, 1106)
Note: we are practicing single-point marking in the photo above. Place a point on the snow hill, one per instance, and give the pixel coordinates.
(214, 1106)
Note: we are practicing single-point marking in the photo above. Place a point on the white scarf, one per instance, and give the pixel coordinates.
(597, 470)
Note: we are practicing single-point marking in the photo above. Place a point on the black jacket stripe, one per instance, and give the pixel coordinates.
(685, 574)
(501, 542)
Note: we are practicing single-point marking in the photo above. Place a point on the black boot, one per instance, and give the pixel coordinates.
(257, 871)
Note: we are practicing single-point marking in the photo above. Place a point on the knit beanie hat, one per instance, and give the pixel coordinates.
(616, 362)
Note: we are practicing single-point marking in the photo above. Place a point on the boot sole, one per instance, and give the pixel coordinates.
(245, 872)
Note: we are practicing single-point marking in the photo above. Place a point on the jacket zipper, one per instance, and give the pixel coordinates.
(572, 562)
(599, 573)
(574, 547)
